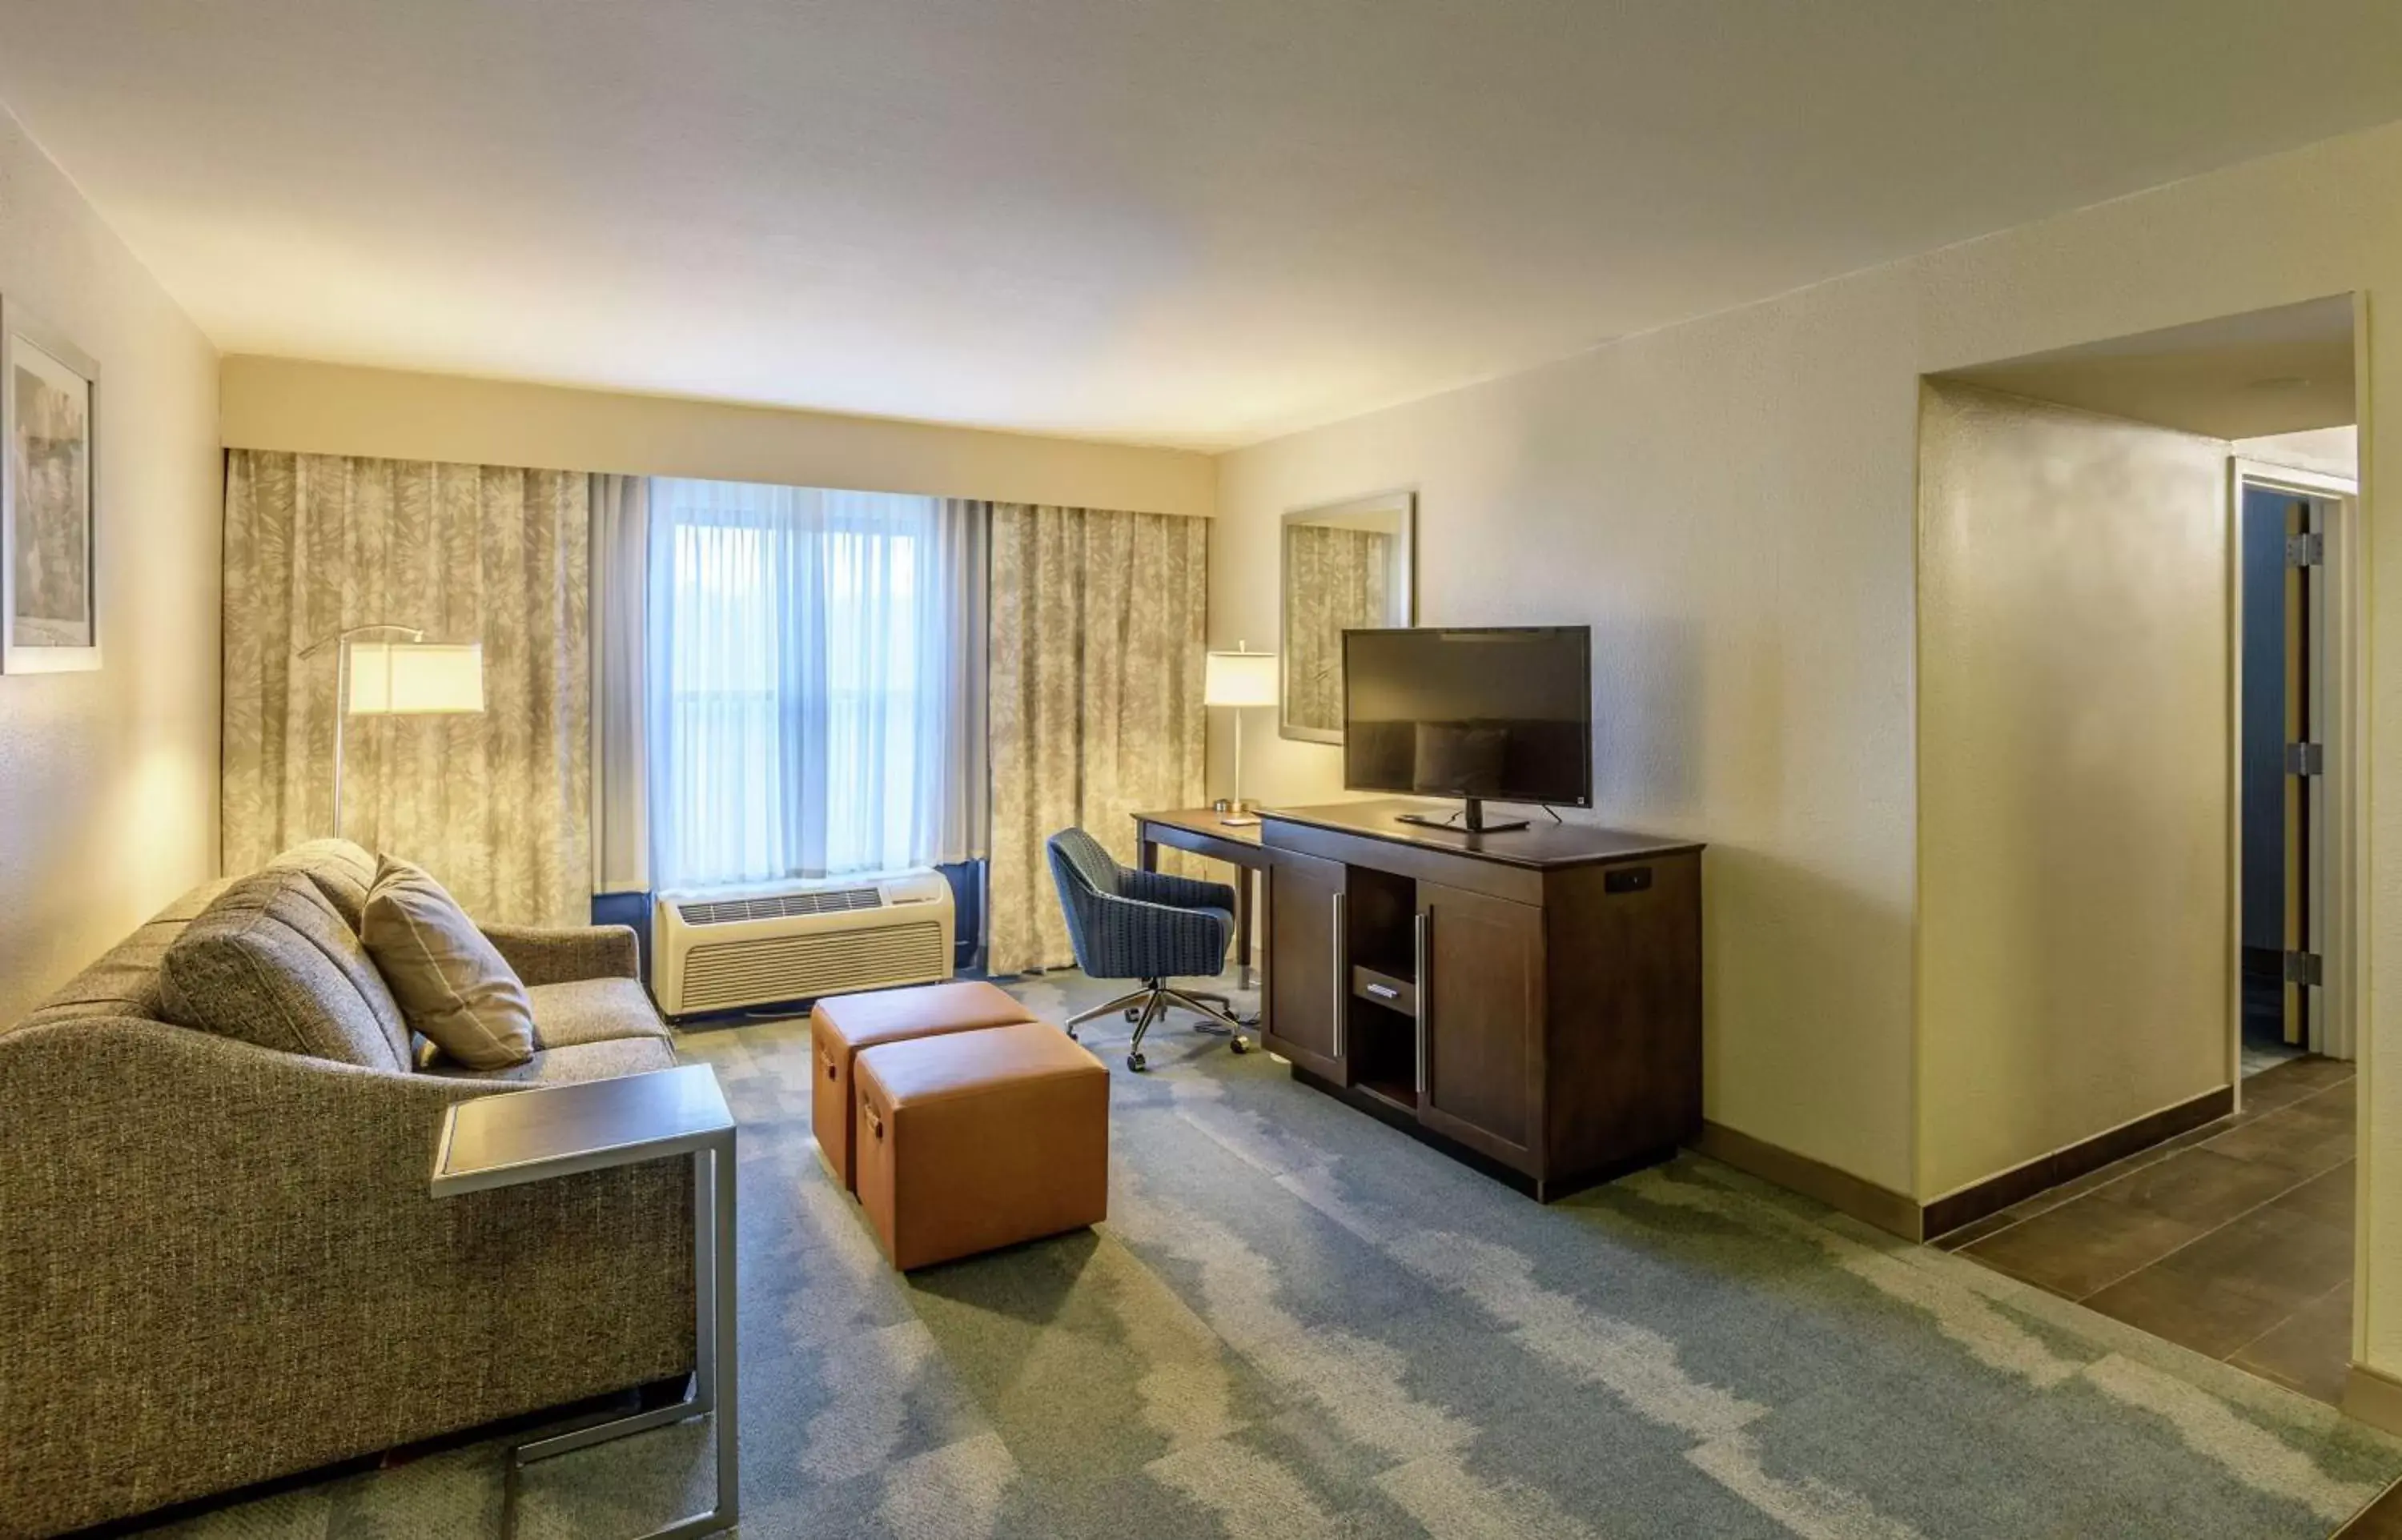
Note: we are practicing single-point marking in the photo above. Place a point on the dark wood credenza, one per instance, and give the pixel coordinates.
(1529, 1000)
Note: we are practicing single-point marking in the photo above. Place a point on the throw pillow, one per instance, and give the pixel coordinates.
(452, 983)
(270, 962)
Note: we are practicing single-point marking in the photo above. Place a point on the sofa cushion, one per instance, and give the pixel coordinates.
(451, 984)
(124, 982)
(599, 1061)
(341, 870)
(593, 1010)
(271, 962)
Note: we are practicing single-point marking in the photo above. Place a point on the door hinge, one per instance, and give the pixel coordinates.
(2306, 759)
(2304, 968)
(2305, 550)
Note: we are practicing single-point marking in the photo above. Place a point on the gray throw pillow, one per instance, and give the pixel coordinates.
(271, 962)
(452, 984)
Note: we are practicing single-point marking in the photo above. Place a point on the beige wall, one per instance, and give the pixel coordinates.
(1726, 505)
(108, 781)
(330, 409)
(1731, 504)
(2075, 965)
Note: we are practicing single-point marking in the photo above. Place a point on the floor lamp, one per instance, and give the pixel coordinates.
(399, 674)
(1239, 680)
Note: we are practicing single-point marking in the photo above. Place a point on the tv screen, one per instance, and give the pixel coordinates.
(1498, 714)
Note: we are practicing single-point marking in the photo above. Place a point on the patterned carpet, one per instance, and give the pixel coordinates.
(1298, 1323)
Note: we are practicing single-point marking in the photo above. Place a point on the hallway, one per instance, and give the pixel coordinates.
(2234, 1240)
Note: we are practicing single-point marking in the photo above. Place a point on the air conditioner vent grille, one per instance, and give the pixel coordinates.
(794, 967)
(780, 906)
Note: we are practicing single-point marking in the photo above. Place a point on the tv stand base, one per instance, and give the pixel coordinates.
(1474, 822)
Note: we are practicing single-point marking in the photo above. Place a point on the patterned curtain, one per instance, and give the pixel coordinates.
(1097, 646)
(1336, 580)
(497, 805)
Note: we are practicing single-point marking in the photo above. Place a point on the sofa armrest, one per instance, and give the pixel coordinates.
(198, 1223)
(542, 955)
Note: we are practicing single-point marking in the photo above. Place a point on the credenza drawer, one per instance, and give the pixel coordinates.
(1385, 989)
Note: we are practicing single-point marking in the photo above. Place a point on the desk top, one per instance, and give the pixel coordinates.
(555, 1130)
(1203, 820)
(1541, 847)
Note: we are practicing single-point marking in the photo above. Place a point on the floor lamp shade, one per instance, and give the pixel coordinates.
(397, 679)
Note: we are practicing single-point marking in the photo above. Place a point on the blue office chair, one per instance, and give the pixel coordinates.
(1148, 926)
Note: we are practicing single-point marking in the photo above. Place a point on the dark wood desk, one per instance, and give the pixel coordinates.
(1199, 831)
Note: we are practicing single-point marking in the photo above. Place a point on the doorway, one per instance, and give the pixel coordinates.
(2291, 529)
(2229, 1228)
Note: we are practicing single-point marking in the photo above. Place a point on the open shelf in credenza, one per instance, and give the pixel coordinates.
(1383, 1052)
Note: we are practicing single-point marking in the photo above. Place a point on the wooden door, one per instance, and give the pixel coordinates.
(1305, 1000)
(1480, 1021)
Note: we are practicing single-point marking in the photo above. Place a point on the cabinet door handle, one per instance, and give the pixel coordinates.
(1334, 944)
(1419, 929)
(1384, 992)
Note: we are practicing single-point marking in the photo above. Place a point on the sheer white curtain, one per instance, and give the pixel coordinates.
(815, 682)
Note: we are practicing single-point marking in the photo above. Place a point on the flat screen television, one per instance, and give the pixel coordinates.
(1498, 713)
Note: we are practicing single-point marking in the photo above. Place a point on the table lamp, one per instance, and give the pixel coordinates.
(408, 677)
(1239, 680)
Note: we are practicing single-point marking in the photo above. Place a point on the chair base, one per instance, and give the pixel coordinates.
(1146, 1005)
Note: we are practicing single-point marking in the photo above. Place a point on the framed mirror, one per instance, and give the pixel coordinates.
(1347, 565)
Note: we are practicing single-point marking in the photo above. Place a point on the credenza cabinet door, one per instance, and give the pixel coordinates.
(1480, 1020)
(1305, 966)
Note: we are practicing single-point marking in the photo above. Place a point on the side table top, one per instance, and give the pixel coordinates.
(555, 1130)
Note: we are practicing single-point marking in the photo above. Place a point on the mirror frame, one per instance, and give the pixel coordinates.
(1400, 501)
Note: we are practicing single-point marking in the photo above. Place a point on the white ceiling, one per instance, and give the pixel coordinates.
(2264, 372)
(1164, 220)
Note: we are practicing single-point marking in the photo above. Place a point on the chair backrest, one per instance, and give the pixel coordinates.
(1084, 873)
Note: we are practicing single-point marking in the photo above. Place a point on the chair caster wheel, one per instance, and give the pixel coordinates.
(1134, 1014)
(1136, 1063)
(1239, 1043)
(1072, 1034)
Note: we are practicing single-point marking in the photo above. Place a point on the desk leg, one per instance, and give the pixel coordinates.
(1146, 849)
(1243, 879)
(714, 1377)
(722, 1298)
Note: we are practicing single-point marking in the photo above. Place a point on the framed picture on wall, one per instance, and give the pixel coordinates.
(50, 512)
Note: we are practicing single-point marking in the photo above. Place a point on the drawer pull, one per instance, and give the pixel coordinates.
(875, 1119)
(1384, 992)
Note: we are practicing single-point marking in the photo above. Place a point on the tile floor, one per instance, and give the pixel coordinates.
(2233, 1239)
(2380, 1520)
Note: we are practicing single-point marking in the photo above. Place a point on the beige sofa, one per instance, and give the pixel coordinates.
(221, 1264)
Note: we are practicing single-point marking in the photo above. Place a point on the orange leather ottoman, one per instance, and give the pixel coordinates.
(981, 1139)
(841, 1026)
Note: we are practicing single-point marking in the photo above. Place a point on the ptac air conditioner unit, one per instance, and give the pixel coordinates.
(723, 949)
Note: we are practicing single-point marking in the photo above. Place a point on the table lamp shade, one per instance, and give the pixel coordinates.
(392, 679)
(1239, 678)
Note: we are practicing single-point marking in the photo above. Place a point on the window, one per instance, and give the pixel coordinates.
(806, 682)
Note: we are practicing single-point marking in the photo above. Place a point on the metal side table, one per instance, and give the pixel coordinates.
(556, 1131)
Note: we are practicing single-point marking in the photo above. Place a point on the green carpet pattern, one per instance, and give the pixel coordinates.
(1298, 1323)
